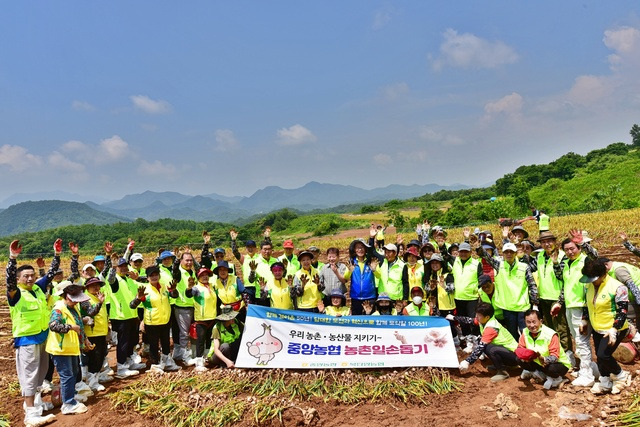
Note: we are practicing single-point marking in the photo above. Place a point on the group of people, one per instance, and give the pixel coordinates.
(523, 305)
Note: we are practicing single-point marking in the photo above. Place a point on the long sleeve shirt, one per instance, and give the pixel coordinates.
(587, 249)
(12, 279)
(634, 250)
(531, 282)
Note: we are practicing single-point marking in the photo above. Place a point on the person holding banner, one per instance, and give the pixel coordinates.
(496, 342)
(383, 306)
(226, 337)
(338, 307)
(277, 292)
(306, 284)
(417, 306)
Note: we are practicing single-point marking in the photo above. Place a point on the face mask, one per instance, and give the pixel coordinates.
(417, 300)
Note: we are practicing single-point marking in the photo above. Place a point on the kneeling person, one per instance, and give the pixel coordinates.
(496, 341)
(226, 337)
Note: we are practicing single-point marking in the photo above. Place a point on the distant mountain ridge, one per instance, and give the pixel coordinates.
(151, 205)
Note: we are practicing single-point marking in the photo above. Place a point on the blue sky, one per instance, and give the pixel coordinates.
(113, 98)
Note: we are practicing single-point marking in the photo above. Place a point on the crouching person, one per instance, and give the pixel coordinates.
(496, 342)
(540, 354)
(65, 342)
(226, 337)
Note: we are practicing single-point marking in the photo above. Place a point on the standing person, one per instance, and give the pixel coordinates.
(29, 326)
(380, 236)
(389, 274)
(332, 275)
(466, 271)
(124, 319)
(229, 288)
(226, 338)
(577, 251)
(544, 222)
(516, 289)
(361, 268)
(289, 259)
(306, 284)
(549, 287)
(496, 342)
(545, 360)
(628, 274)
(184, 275)
(606, 312)
(65, 342)
(441, 286)
(413, 271)
(246, 259)
(276, 292)
(317, 264)
(260, 267)
(205, 310)
(96, 331)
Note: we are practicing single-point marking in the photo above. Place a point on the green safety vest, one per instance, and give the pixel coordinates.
(466, 279)
(633, 271)
(119, 308)
(227, 337)
(183, 300)
(30, 315)
(512, 289)
(389, 280)
(413, 310)
(497, 312)
(292, 266)
(504, 338)
(548, 284)
(246, 269)
(543, 223)
(573, 288)
(540, 344)
(263, 270)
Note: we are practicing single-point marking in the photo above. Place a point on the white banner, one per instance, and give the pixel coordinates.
(275, 338)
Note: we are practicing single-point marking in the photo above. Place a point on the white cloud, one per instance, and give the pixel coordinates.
(18, 158)
(395, 91)
(150, 106)
(226, 140)
(77, 148)
(112, 149)
(588, 90)
(65, 165)
(382, 17)
(470, 51)
(82, 106)
(623, 40)
(295, 135)
(431, 135)
(156, 168)
(413, 156)
(510, 105)
(382, 159)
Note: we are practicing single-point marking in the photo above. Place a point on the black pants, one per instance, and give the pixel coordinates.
(127, 332)
(157, 335)
(467, 309)
(49, 375)
(203, 329)
(500, 356)
(95, 357)
(552, 370)
(604, 353)
(173, 325)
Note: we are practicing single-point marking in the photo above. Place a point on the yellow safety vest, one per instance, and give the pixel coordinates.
(511, 287)
(205, 304)
(100, 326)
(601, 304)
(30, 315)
(389, 279)
(335, 311)
(157, 309)
(64, 344)
(230, 293)
(548, 285)
(574, 289)
(466, 279)
(540, 344)
(279, 294)
(311, 295)
(119, 308)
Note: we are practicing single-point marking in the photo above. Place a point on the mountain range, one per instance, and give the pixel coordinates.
(152, 205)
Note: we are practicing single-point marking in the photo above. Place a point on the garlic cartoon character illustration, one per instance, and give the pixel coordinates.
(265, 347)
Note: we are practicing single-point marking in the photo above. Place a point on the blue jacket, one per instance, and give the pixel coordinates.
(362, 282)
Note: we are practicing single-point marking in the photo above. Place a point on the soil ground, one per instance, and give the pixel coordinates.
(481, 402)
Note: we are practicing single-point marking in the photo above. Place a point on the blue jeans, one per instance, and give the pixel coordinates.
(68, 369)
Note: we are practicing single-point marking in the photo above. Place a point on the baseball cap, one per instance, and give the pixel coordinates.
(136, 257)
(464, 246)
(87, 266)
(166, 254)
(288, 244)
(391, 247)
(509, 247)
(219, 251)
(122, 261)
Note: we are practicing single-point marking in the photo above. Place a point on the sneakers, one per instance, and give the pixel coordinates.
(135, 366)
(583, 381)
(169, 364)
(552, 382)
(123, 371)
(620, 381)
(70, 409)
(33, 417)
(500, 376)
(604, 385)
(46, 387)
(539, 376)
(200, 364)
(526, 375)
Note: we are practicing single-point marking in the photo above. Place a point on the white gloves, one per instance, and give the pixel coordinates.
(612, 333)
(449, 317)
(464, 366)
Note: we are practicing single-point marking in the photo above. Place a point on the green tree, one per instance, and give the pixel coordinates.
(635, 135)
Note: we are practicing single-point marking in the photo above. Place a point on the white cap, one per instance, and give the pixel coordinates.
(391, 247)
(136, 257)
(86, 266)
(509, 247)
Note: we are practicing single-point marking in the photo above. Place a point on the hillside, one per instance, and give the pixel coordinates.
(42, 215)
